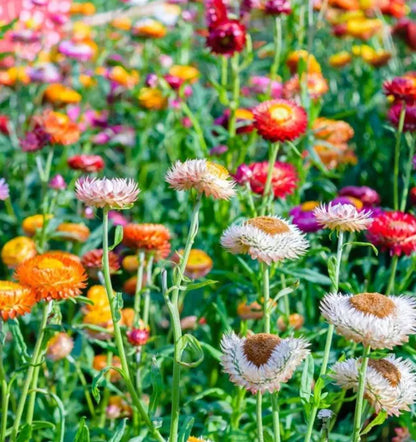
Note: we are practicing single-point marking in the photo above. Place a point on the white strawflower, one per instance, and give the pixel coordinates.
(371, 318)
(343, 217)
(390, 383)
(261, 362)
(266, 238)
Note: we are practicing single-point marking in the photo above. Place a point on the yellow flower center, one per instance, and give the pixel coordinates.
(280, 113)
(50, 263)
(388, 370)
(267, 224)
(217, 170)
(374, 304)
(308, 206)
(8, 285)
(258, 348)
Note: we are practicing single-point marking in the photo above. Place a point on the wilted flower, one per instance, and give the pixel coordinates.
(17, 250)
(371, 318)
(15, 299)
(59, 346)
(342, 217)
(261, 362)
(115, 193)
(4, 189)
(204, 176)
(390, 383)
(266, 238)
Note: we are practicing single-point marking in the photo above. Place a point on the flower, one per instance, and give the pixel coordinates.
(57, 93)
(280, 120)
(199, 263)
(266, 238)
(17, 250)
(52, 276)
(402, 88)
(284, 178)
(304, 217)
(100, 362)
(342, 217)
(138, 336)
(59, 127)
(295, 321)
(152, 98)
(316, 86)
(15, 299)
(204, 176)
(93, 262)
(371, 318)
(4, 189)
(311, 64)
(261, 362)
(57, 183)
(115, 193)
(73, 231)
(368, 196)
(250, 311)
(277, 7)
(394, 231)
(409, 124)
(332, 131)
(59, 346)
(390, 383)
(149, 28)
(153, 238)
(86, 163)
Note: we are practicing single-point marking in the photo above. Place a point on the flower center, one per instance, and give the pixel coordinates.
(374, 304)
(217, 170)
(258, 348)
(308, 206)
(267, 224)
(50, 263)
(280, 114)
(8, 285)
(388, 370)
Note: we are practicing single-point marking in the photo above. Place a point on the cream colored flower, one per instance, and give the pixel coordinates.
(342, 217)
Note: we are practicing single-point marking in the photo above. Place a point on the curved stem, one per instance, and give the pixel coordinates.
(259, 415)
(393, 270)
(360, 394)
(397, 157)
(139, 284)
(268, 193)
(275, 412)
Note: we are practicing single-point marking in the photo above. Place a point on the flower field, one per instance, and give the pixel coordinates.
(207, 220)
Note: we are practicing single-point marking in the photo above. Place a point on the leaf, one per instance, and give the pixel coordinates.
(198, 285)
(332, 264)
(362, 243)
(192, 344)
(216, 354)
(118, 305)
(305, 391)
(19, 340)
(186, 429)
(83, 433)
(118, 237)
(308, 275)
(36, 425)
(118, 434)
(378, 420)
(25, 433)
(157, 387)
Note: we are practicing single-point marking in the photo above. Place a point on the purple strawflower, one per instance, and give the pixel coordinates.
(151, 80)
(243, 174)
(4, 189)
(305, 219)
(218, 150)
(367, 195)
(57, 183)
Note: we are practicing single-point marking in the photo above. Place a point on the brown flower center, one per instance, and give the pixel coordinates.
(258, 348)
(388, 370)
(269, 225)
(374, 304)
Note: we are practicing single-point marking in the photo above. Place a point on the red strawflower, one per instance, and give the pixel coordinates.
(412, 194)
(4, 124)
(409, 117)
(277, 7)
(402, 88)
(394, 231)
(280, 120)
(93, 262)
(138, 336)
(406, 30)
(395, 8)
(86, 163)
(284, 178)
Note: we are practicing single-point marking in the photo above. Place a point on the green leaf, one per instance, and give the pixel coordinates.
(118, 434)
(378, 420)
(332, 264)
(83, 433)
(118, 305)
(362, 243)
(157, 387)
(118, 237)
(25, 433)
(190, 343)
(18, 340)
(198, 285)
(186, 429)
(216, 354)
(305, 391)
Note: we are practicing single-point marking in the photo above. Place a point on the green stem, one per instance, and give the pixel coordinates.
(139, 284)
(277, 46)
(266, 297)
(408, 175)
(117, 333)
(393, 270)
(4, 393)
(275, 413)
(360, 394)
(34, 362)
(146, 294)
(84, 384)
(259, 415)
(397, 157)
(197, 127)
(10, 209)
(268, 191)
(235, 70)
(224, 80)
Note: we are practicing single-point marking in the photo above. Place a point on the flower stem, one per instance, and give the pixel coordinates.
(259, 415)
(392, 279)
(139, 284)
(277, 41)
(146, 294)
(397, 157)
(266, 297)
(34, 362)
(117, 333)
(275, 413)
(268, 192)
(408, 175)
(4, 389)
(236, 94)
(360, 394)
(197, 127)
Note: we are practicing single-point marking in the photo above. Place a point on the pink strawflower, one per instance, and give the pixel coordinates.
(4, 189)
(57, 183)
(115, 193)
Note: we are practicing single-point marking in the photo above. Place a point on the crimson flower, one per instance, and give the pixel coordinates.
(86, 163)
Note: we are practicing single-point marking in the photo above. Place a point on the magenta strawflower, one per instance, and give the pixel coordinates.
(4, 189)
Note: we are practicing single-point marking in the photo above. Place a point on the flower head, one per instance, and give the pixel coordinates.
(138, 336)
(149, 237)
(266, 238)
(371, 318)
(17, 250)
(4, 189)
(52, 276)
(342, 217)
(409, 123)
(57, 183)
(304, 217)
(15, 299)
(199, 263)
(390, 383)
(402, 88)
(73, 232)
(261, 362)
(368, 196)
(116, 193)
(93, 262)
(204, 176)
(394, 231)
(59, 346)
(58, 127)
(280, 120)
(86, 163)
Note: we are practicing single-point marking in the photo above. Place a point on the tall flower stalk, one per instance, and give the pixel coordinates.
(397, 157)
(268, 191)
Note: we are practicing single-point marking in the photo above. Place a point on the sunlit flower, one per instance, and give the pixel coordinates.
(4, 189)
(57, 93)
(304, 217)
(261, 362)
(154, 238)
(279, 120)
(73, 232)
(59, 127)
(149, 28)
(266, 238)
(199, 263)
(390, 383)
(86, 163)
(52, 276)
(342, 217)
(116, 193)
(93, 262)
(59, 346)
(371, 318)
(17, 250)
(311, 64)
(34, 222)
(204, 176)
(101, 361)
(15, 299)
(394, 231)
(409, 123)
(152, 98)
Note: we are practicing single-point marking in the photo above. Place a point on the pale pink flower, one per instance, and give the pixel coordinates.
(4, 190)
(115, 193)
(343, 217)
(204, 176)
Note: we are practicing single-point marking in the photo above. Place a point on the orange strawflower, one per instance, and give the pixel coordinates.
(152, 99)
(316, 85)
(184, 72)
(100, 362)
(149, 237)
(15, 299)
(332, 131)
(52, 276)
(122, 23)
(59, 94)
(199, 263)
(82, 8)
(77, 232)
(119, 75)
(59, 127)
(149, 28)
(18, 250)
(93, 262)
(250, 311)
(311, 64)
(13, 75)
(340, 59)
(363, 28)
(33, 223)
